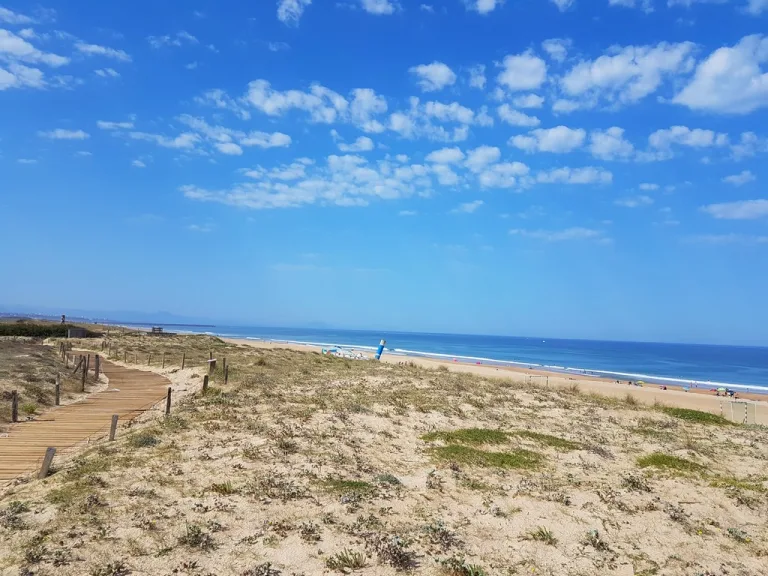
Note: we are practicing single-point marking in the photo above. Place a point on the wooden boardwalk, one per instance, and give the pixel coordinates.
(130, 393)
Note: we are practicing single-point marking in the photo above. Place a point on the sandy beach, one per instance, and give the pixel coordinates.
(649, 394)
(295, 463)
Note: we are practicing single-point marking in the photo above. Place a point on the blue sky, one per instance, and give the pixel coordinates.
(537, 167)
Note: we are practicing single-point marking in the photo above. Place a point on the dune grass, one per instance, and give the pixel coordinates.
(515, 459)
(475, 436)
(548, 440)
(696, 416)
(669, 462)
(479, 436)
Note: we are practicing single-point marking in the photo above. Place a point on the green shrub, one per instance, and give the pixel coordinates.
(468, 436)
(521, 459)
(38, 330)
(668, 462)
(696, 416)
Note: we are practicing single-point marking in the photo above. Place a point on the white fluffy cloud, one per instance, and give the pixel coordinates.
(114, 125)
(219, 99)
(229, 148)
(515, 117)
(503, 175)
(557, 48)
(362, 144)
(453, 112)
(468, 207)
(560, 139)
(644, 5)
(96, 50)
(482, 156)
(477, 77)
(14, 18)
(184, 141)
(610, 144)
(322, 104)
(445, 175)
(365, 104)
(731, 80)
(433, 77)
(684, 136)
(290, 11)
(528, 101)
(748, 145)
(343, 181)
(266, 139)
(61, 134)
(419, 121)
(742, 210)
(107, 73)
(379, 7)
(587, 175)
(566, 106)
(563, 5)
(757, 7)
(16, 49)
(524, 71)
(626, 75)
(228, 141)
(446, 156)
(20, 76)
(482, 6)
(743, 177)
(178, 39)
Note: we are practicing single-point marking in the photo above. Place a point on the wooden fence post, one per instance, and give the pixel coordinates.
(82, 378)
(163, 359)
(87, 364)
(168, 402)
(97, 366)
(210, 355)
(47, 460)
(183, 359)
(149, 360)
(211, 366)
(14, 406)
(226, 375)
(205, 384)
(58, 390)
(224, 363)
(113, 428)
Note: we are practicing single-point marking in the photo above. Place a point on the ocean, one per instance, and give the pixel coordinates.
(741, 367)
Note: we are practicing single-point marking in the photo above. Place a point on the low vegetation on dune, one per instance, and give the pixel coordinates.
(307, 464)
(30, 369)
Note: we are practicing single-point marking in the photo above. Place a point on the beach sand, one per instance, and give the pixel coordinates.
(302, 464)
(649, 394)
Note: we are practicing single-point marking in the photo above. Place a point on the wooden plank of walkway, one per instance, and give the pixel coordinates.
(130, 393)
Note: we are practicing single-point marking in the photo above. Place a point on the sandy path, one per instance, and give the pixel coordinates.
(129, 393)
(648, 394)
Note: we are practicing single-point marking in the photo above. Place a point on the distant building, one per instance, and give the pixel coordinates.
(76, 333)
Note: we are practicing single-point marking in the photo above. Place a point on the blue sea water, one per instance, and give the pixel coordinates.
(702, 365)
